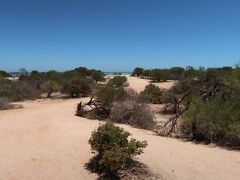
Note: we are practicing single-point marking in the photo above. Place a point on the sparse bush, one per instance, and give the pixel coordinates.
(49, 87)
(117, 81)
(151, 94)
(132, 113)
(113, 148)
(4, 104)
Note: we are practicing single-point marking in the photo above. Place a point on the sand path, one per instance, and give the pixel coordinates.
(45, 141)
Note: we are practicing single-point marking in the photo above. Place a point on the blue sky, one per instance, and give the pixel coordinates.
(118, 35)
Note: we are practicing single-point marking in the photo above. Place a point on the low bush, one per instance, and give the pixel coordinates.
(114, 149)
(151, 94)
(132, 113)
(4, 104)
(118, 81)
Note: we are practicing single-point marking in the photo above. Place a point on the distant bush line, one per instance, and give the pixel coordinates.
(74, 83)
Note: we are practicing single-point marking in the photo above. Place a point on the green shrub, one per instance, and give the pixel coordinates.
(151, 94)
(77, 87)
(132, 113)
(213, 121)
(113, 148)
(117, 81)
(108, 95)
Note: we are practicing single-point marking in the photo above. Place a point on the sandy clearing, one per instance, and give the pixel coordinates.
(139, 84)
(44, 140)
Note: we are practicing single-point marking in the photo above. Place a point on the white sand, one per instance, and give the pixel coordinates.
(45, 141)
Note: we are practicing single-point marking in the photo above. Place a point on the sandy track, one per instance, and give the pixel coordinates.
(44, 140)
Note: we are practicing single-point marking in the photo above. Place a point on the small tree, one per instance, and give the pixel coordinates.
(49, 87)
(138, 72)
(113, 148)
(97, 76)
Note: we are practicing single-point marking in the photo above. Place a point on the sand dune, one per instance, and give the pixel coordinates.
(45, 141)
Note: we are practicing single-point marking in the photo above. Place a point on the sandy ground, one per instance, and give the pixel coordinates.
(139, 84)
(45, 141)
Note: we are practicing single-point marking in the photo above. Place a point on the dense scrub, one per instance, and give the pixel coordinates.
(132, 113)
(177, 73)
(208, 105)
(114, 150)
(211, 122)
(18, 90)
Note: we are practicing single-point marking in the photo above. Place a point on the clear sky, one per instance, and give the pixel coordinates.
(118, 35)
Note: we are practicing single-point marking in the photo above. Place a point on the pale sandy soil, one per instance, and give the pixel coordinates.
(139, 84)
(45, 141)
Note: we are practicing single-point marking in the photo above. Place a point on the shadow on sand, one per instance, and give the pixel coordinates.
(133, 170)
